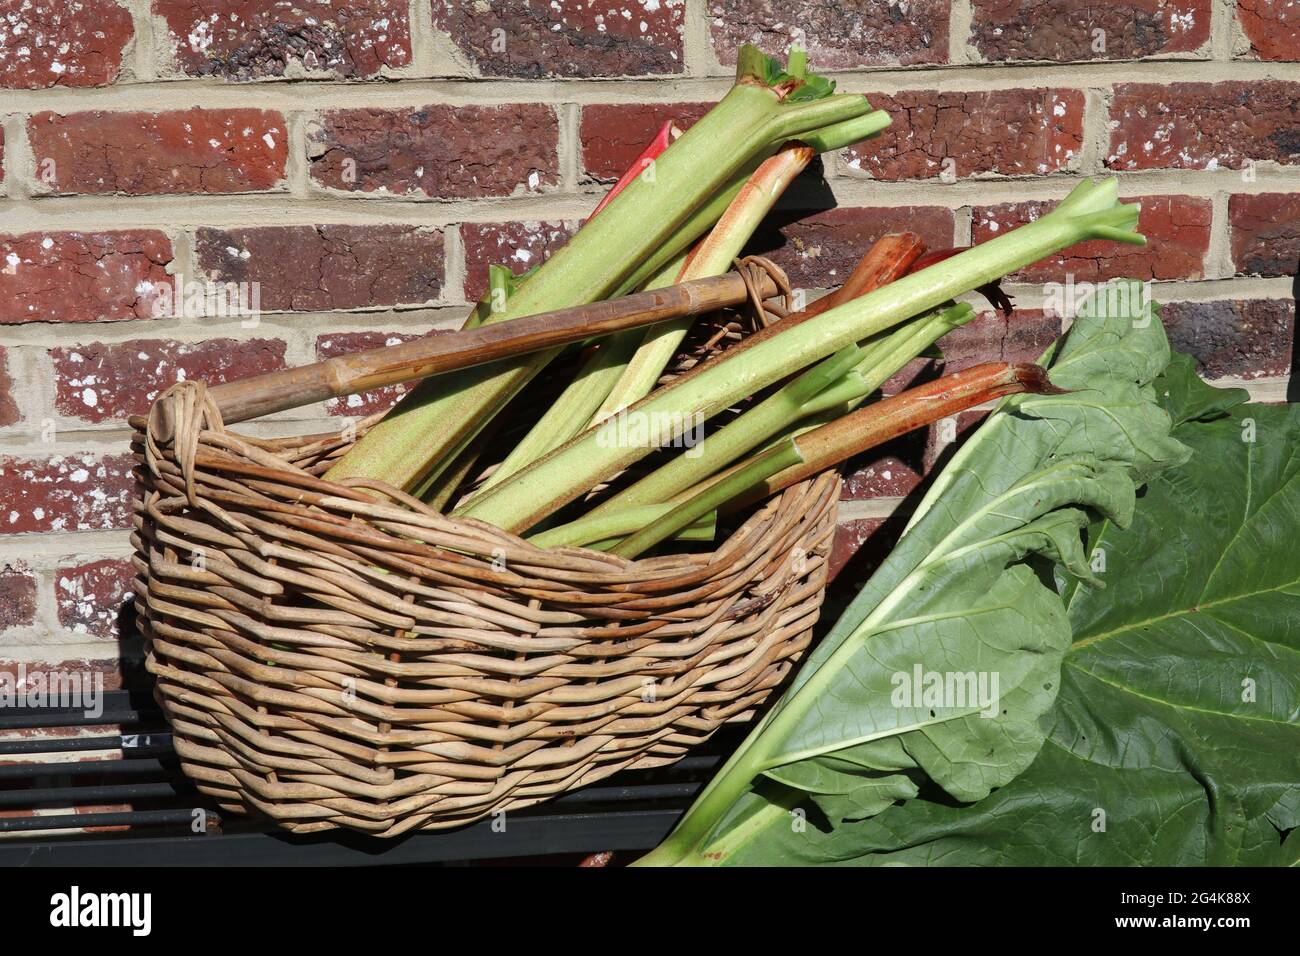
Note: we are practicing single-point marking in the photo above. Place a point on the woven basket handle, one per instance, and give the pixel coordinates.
(755, 280)
(176, 419)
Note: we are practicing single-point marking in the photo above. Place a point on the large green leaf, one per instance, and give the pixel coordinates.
(1175, 739)
(965, 598)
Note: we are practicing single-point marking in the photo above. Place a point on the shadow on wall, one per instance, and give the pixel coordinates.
(809, 195)
(130, 649)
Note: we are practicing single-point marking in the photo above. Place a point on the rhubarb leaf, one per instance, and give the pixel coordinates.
(1176, 736)
(797, 84)
(1186, 398)
(942, 669)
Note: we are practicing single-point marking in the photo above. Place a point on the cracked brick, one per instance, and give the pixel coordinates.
(1008, 132)
(45, 43)
(345, 343)
(1272, 28)
(1265, 233)
(989, 337)
(91, 596)
(567, 38)
(251, 39)
(1177, 230)
(447, 152)
(96, 382)
(81, 276)
(613, 135)
(1245, 339)
(77, 492)
(1204, 125)
(183, 151)
(517, 245)
(837, 35)
(819, 249)
(314, 268)
(994, 337)
(1065, 30)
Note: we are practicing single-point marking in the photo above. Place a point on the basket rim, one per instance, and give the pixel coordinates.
(184, 414)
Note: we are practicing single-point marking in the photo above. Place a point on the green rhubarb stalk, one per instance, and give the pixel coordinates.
(713, 257)
(607, 530)
(761, 467)
(602, 382)
(802, 456)
(1091, 211)
(824, 139)
(661, 341)
(567, 416)
(614, 381)
(577, 404)
(846, 378)
(571, 411)
(502, 284)
(765, 107)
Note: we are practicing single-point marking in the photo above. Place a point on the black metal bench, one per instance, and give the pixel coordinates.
(48, 798)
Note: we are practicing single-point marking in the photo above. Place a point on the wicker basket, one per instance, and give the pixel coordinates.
(330, 659)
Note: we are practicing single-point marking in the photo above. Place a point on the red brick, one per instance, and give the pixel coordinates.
(1010, 132)
(17, 596)
(578, 38)
(90, 596)
(613, 135)
(517, 245)
(8, 406)
(80, 492)
(837, 36)
(114, 672)
(890, 471)
(81, 276)
(1064, 30)
(312, 268)
(1243, 339)
(1272, 27)
(1204, 125)
(1177, 230)
(98, 382)
(849, 543)
(989, 337)
(248, 39)
(448, 152)
(994, 337)
(46, 43)
(184, 151)
(942, 439)
(344, 343)
(1265, 233)
(820, 249)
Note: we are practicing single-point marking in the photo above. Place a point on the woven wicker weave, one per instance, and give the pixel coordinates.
(331, 659)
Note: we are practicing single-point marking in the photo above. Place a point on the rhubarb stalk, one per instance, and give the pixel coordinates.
(803, 456)
(1091, 211)
(846, 377)
(841, 381)
(713, 257)
(763, 110)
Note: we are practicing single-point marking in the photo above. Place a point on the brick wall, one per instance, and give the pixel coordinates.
(364, 159)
